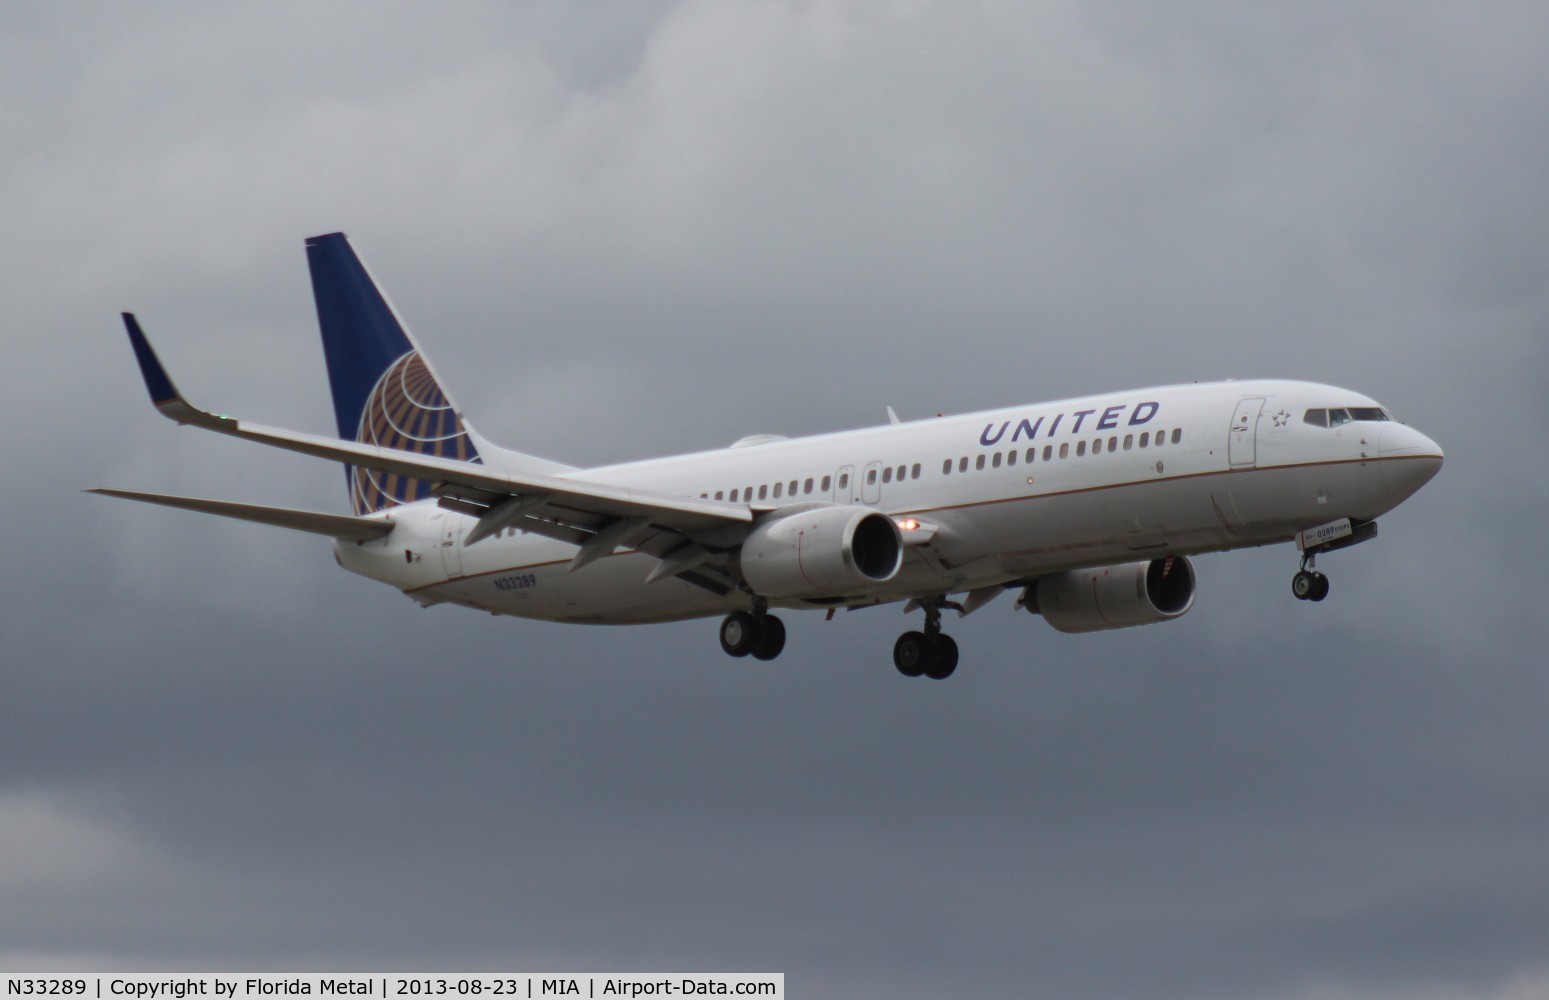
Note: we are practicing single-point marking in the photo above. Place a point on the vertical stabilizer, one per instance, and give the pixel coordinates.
(384, 392)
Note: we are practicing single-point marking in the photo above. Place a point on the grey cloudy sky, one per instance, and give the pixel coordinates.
(628, 230)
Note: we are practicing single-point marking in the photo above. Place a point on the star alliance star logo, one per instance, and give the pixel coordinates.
(1282, 418)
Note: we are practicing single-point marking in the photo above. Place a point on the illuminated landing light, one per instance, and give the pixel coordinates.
(914, 531)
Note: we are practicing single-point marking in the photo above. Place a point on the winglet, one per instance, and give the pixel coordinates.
(156, 380)
(164, 395)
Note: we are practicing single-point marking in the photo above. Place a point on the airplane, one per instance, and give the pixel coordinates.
(1087, 508)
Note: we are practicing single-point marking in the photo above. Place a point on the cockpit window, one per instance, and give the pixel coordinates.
(1336, 417)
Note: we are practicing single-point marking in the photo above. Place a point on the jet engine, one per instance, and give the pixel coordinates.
(822, 552)
(1109, 597)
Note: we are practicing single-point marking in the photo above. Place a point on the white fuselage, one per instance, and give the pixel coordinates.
(998, 497)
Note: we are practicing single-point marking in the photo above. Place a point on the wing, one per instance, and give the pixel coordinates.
(688, 535)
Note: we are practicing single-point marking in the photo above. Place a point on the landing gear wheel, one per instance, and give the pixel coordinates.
(943, 658)
(739, 633)
(911, 653)
(770, 638)
(1309, 585)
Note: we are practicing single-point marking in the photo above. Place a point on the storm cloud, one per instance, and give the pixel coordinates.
(636, 230)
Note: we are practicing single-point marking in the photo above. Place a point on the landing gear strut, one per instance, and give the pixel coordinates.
(930, 653)
(1308, 584)
(757, 633)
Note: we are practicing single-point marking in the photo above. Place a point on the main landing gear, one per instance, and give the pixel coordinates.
(1308, 584)
(930, 653)
(757, 633)
(761, 635)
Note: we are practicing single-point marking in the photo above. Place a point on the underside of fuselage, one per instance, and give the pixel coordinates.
(1004, 543)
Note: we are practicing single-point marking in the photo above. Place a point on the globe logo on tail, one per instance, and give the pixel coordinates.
(408, 411)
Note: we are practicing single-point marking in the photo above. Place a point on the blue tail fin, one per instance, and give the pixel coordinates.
(384, 393)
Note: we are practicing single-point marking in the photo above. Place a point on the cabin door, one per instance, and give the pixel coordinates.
(1241, 443)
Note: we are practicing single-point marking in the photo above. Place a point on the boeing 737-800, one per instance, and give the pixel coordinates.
(1087, 508)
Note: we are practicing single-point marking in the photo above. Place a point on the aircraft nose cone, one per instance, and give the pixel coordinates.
(1399, 439)
(1418, 457)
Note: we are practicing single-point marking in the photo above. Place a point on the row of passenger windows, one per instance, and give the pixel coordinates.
(1114, 443)
(806, 487)
(796, 487)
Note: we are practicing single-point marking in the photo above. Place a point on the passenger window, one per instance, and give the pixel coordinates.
(962, 465)
(720, 494)
(995, 461)
(914, 473)
(1113, 444)
(827, 483)
(946, 467)
(1161, 439)
(777, 490)
(1097, 446)
(1080, 449)
(1145, 439)
(1129, 441)
(871, 477)
(792, 490)
(887, 475)
(1030, 453)
(979, 463)
(844, 481)
(1177, 434)
(807, 486)
(1065, 450)
(704, 496)
(733, 496)
(763, 492)
(1011, 458)
(1317, 418)
(1048, 452)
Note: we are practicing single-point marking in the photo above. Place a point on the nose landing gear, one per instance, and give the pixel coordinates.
(1308, 584)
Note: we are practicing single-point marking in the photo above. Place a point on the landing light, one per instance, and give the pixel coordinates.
(907, 524)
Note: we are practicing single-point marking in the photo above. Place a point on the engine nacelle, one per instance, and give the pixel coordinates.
(822, 552)
(1094, 600)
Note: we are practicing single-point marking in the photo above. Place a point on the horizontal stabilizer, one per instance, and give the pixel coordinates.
(355, 529)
